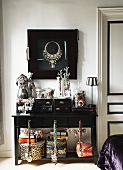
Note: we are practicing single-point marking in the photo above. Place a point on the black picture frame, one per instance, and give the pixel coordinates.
(66, 40)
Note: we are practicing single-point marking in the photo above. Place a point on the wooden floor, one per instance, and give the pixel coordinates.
(8, 163)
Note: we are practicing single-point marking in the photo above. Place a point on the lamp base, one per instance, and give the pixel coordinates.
(91, 105)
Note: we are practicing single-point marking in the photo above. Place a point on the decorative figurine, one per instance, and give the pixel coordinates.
(39, 93)
(25, 93)
(63, 82)
(22, 82)
(31, 85)
(60, 83)
(67, 90)
(50, 93)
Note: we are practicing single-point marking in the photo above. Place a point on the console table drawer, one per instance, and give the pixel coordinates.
(23, 121)
(86, 121)
(61, 122)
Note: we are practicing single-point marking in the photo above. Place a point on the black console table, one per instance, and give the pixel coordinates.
(64, 120)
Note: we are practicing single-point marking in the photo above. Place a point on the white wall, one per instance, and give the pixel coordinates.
(20, 15)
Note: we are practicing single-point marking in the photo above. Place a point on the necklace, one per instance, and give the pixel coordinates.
(52, 58)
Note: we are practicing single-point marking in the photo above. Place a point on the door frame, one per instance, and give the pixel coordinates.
(103, 15)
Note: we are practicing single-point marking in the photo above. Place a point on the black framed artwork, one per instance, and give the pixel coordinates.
(51, 51)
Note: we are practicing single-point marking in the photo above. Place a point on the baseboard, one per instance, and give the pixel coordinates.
(6, 154)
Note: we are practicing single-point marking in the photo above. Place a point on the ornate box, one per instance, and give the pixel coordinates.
(62, 105)
(44, 105)
(61, 148)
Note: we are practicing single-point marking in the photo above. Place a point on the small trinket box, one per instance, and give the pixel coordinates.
(62, 105)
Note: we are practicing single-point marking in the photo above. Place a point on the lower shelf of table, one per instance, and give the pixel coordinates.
(70, 157)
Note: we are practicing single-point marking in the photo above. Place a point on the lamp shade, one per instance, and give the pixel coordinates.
(91, 81)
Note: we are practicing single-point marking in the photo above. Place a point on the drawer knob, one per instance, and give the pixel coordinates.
(61, 102)
(47, 102)
(57, 108)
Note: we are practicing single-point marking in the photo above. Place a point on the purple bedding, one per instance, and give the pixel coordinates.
(111, 154)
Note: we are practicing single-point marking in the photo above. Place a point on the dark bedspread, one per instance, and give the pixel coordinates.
(111, 154)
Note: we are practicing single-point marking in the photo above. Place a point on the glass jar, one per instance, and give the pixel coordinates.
(79, 98)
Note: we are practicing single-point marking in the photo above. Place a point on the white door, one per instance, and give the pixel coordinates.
(110, 89)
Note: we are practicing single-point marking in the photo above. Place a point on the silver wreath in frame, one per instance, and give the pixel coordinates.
(52, 58)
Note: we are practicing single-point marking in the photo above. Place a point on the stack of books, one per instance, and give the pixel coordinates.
(24, 136)
(60, 135)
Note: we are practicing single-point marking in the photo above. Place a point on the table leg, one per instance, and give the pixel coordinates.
(16, 144)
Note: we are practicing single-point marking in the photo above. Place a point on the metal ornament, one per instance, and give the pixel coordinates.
(52, 58)
(29, 154)
(63, 82)
(55, 152)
